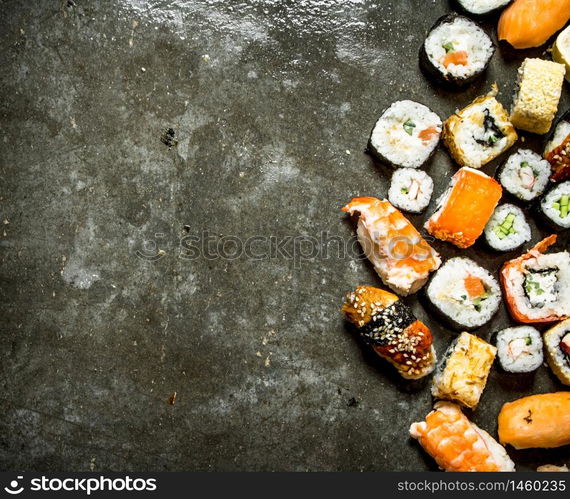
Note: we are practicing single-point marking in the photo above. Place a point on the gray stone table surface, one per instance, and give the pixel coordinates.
(143, 144)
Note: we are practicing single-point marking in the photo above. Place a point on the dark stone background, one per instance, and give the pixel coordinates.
(271, 103)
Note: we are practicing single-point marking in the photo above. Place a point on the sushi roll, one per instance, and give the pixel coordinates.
(392, 330)
(539, 87)
(456, 51)
(479, 132)
(400, 255)
(465, 208)
(464, 293)
(507, 229)
(519, 349)
(481, 7)
(557, 150)
(405, 135)
(557, 342)
(462, 375)
(457, 444)
(410, 190)
(537, 421)
(524, 175)
(555, 206)
(536, 285)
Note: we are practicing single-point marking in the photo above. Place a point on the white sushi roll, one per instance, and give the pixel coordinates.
(520, 349)
(507, 228)
(482, 7)
(525, 175)
(410, 190)
(464, 293)
(555, 205)
(406, 134)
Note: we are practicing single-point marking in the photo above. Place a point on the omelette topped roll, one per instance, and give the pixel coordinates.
(391, 329)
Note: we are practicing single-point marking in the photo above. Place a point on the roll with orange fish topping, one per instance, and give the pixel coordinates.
(392, 330)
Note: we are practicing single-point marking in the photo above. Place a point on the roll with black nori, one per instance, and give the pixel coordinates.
(456, 51)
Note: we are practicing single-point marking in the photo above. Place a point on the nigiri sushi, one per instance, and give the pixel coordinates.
(530, 23)
(536, 285)
(390, 327)
(457, 444)
(465, 208)
(400, 255)
(536, 421)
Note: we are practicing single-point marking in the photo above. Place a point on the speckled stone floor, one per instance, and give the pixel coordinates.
(164, 167)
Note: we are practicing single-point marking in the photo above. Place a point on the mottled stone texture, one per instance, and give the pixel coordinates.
(104, 317)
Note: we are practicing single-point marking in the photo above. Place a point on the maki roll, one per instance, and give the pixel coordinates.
(507, 229)
(400, 255)
(524, 175)
(555, 206)
(457, 444)
(479, 132)
(481, 7)
(519, 349)
(538, 92)
(462, 375)
(465, 208)
(406, 134)
(410, 190)
(557, 342)
(464, 293)
(557, 150)
(392, 330)
(536, 285)
(456, 51)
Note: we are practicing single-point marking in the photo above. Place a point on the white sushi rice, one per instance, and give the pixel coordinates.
(410, 190)
(520, 229)
(400, 144)
(447, 292)
(546, 291)
(464, 35)
(547, 204)
(525, 174)
(519, 349)
(562, 131)
(482, 6)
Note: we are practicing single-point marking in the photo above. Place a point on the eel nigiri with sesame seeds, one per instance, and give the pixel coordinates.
(400, 255)
(457, 444)
(392, 330)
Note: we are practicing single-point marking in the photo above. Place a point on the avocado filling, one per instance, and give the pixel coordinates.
(562, 205)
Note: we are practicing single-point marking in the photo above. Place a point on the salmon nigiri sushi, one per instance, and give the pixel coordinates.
(537, 421)
(457, 444)
(466, 207)
(401, 256)
(530, 23)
